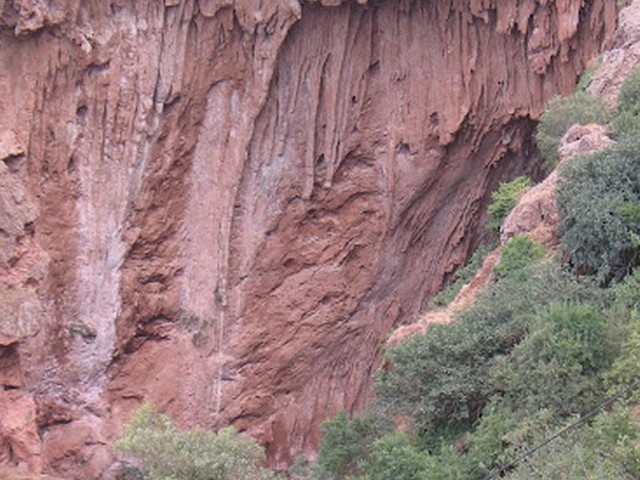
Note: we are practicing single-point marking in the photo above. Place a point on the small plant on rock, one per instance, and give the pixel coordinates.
(504, 199)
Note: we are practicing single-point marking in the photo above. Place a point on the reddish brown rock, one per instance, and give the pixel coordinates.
(19, 441)
(583, 140)
(465, 299)
(536, 215)
(61, 447)
(617, 63)
(22, 473)
(236, 201)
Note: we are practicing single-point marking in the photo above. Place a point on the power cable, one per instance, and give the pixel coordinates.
(607, 403)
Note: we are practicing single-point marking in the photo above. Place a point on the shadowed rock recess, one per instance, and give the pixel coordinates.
(222, 207)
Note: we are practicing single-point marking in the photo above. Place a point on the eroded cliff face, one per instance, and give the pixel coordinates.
(222, 207)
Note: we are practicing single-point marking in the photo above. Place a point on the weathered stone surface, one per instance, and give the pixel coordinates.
(618, 62)
(238, 200)
(583, 140)
(22, 473)
(465, 299)
(22, 262)
(61, 446)
(19, 441)
(536, 215)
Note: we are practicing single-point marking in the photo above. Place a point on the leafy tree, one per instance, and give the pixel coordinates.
(625, 372)
(615, 438)
(346, 443)
(393, 456)
(559, 364)
(597, 200)
(170, 453)
(396, 456)
(607, 449)
(498, 437)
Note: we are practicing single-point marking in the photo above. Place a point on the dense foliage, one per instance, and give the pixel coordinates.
(627, 120)
(598, 200)
(536, 352)
(562, 113)
(346, 443)
(517, 255)
(167, 452)
(504, 199)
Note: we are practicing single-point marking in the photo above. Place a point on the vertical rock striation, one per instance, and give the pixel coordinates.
(223, 206)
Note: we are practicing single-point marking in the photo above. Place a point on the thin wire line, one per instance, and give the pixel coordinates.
(583, 419)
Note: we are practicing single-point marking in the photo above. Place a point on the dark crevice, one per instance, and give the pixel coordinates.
(13, 162)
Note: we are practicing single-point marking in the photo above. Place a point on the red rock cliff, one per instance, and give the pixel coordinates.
(223, 206)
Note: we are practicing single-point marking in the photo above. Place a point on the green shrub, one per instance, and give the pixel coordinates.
(587, 77)
(630, 214)
(607, 449)
(346, 444)
(504, 199)
(615, 438)
(170, 453)
(399, 457)
(629, 96)
(129, 472)
(438, 381)
(627, 120)
(627, 293)
(624, 124)
(625, 372)
(393, 456)
(560, 363)
(493, 443)
(562, 113)
(597, 199)
(521, 252)
(300, 469)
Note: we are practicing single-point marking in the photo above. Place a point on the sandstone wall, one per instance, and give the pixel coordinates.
(223, 206)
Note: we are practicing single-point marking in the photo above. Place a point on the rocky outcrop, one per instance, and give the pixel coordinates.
(222, 207)
(617, 63)
(18, 430)
(464, 300)
(536, 214)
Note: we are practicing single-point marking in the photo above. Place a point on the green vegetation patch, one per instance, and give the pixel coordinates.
(598, 199)
(504, 200)
(627, 119)
(517, 255)
(167, 452)
(561, 113)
